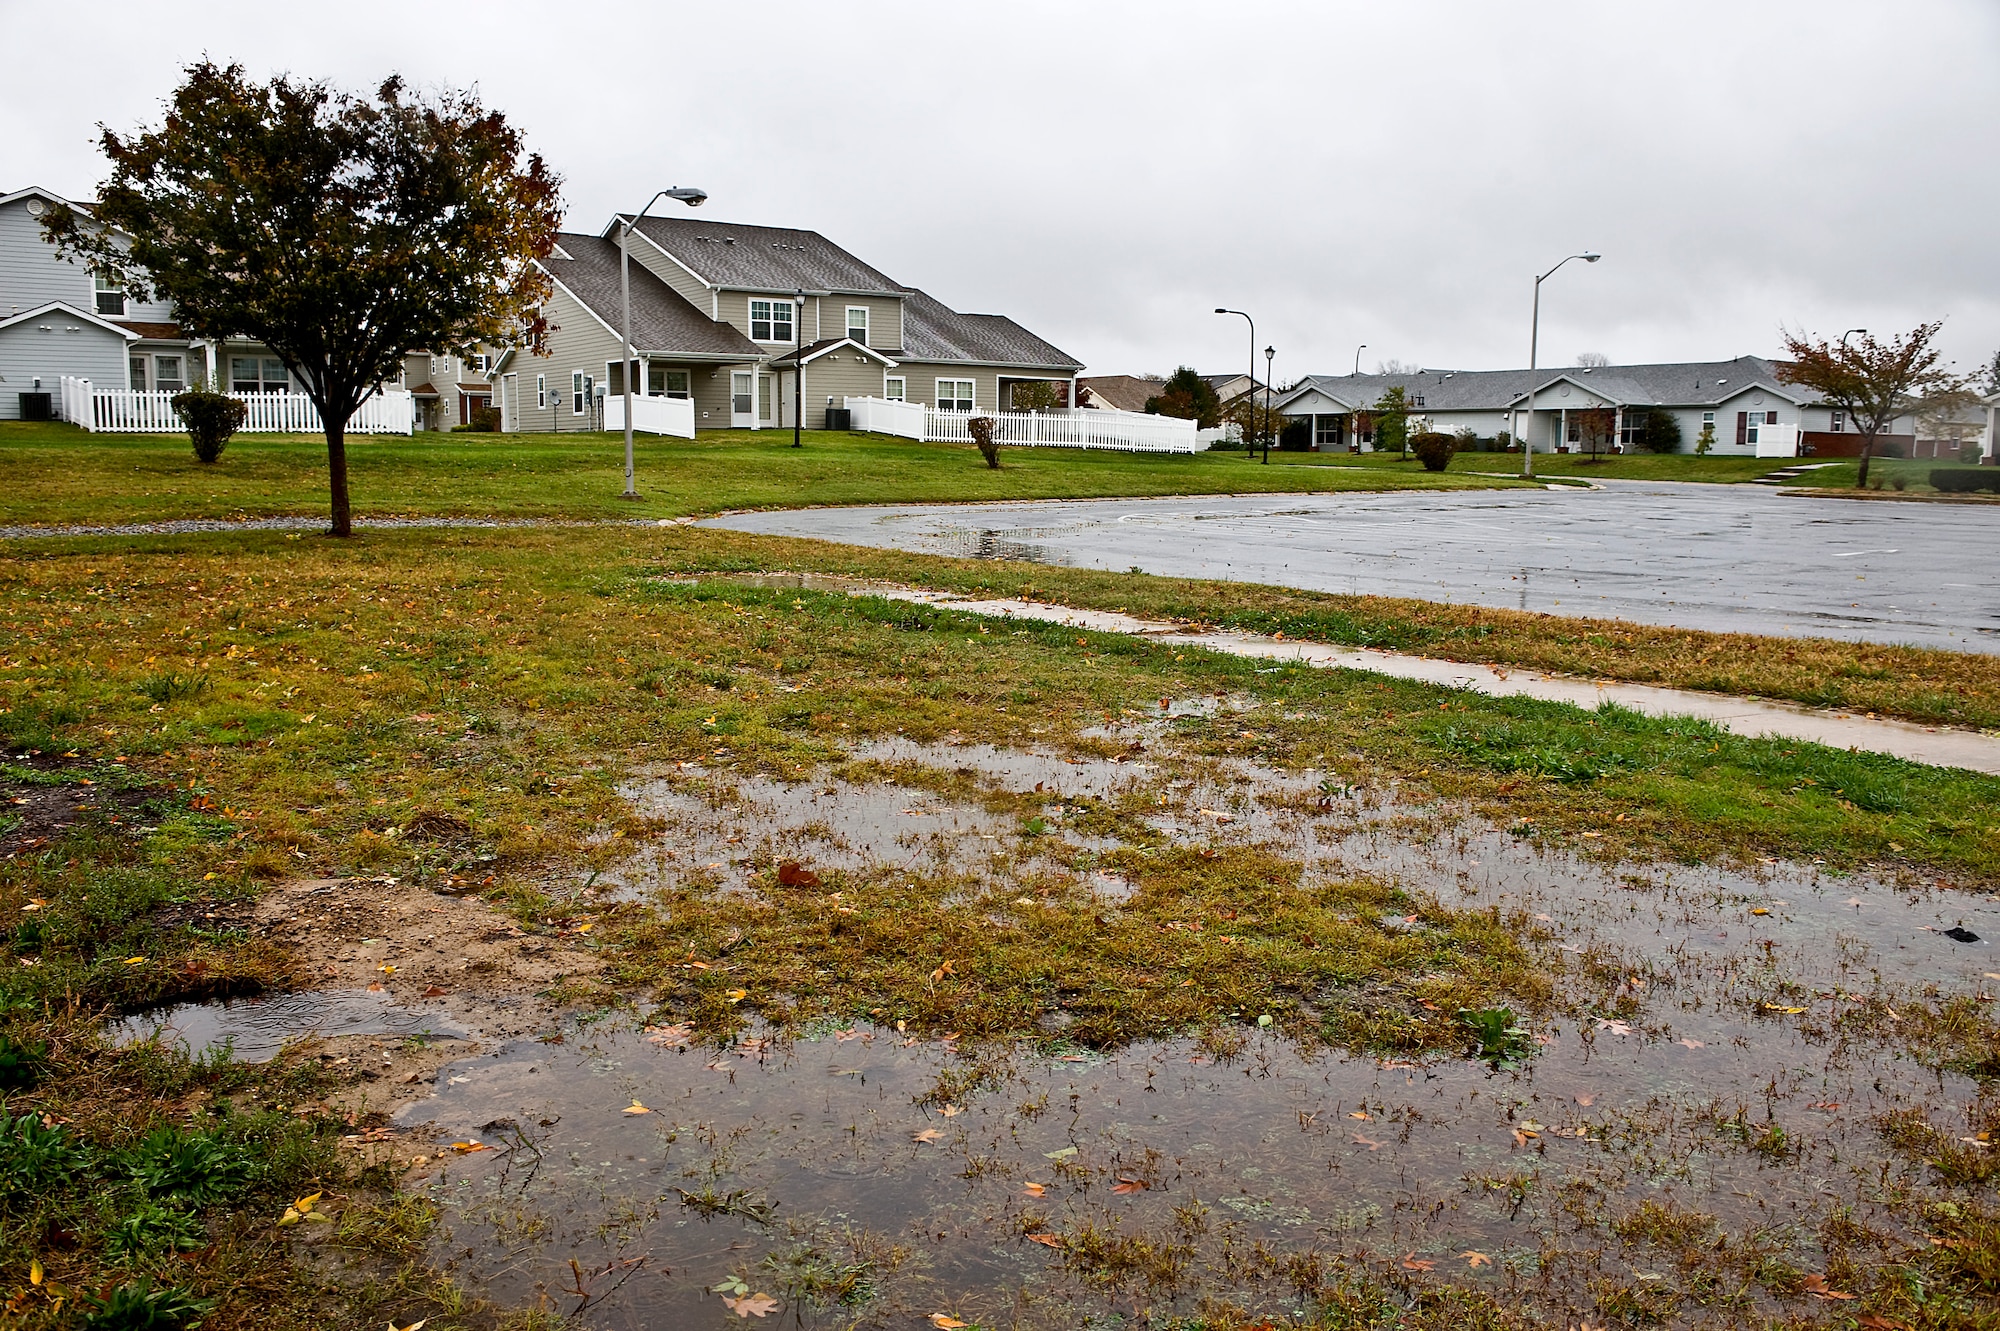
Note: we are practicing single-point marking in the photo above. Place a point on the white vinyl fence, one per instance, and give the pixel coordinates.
(1125, 431)
(652, 415)
(124, 411)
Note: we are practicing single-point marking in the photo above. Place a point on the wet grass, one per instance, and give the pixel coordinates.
(52, 474)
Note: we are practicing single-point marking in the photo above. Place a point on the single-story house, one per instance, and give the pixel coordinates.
(731, 315)
(1742, 401)
(1118, 392)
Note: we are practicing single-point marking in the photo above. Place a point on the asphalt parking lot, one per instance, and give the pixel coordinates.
(1734, 558)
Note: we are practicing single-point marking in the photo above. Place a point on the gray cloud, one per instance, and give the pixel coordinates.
(1392, 174)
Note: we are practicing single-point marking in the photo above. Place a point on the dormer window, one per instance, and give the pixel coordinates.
(770, 321)
(110, 296)
(857, 324)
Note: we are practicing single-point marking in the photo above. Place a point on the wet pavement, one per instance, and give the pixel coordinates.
(1728, 558)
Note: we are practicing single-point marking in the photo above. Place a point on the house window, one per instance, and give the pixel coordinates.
(1632, 427)
(541, 390)
(663, 382)
(138, 371)
(257, 374)
(1326, 431)
(485, 364)
(954, 395)
(577, 380)
(893, 387)
(167, 374)
(770, 321)
(857, 323)
(1839, 422)
(110, 296)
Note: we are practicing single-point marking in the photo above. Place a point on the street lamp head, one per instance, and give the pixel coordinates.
(1591, 258)
(1270, 352)
(692, 197)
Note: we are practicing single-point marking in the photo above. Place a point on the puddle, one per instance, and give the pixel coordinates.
(257, 1029)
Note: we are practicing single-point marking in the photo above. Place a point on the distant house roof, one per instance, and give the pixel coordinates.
(662, 320)
(934, 332)
(423, 390)
(760, 258)
(1123, 392)
(1682, 384)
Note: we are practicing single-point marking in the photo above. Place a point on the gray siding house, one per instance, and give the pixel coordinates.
(731, 316)
(1739, 399)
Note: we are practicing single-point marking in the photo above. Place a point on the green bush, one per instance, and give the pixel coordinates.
(211, 419)
(1660, 431)
(1434, 450)
(1965, 480)
(1296, 437)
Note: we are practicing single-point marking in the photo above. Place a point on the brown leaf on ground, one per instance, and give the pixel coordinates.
(1125, 1185)
(1412, 1262)
(928, 1135)
(793, 874)
(1476, 1259)
(1035, 1189)
(946, 1322)
(752, 1305)
(1046, 1240)
(1815, 1285)
(1369, 1142)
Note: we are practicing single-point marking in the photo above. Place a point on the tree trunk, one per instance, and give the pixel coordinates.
(336, 474)
(1867, 450)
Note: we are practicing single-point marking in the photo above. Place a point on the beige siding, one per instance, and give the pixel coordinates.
(692, 288)
(885, 319)
(580, 342)
(922, 376)
(838, 376)
(735, 307)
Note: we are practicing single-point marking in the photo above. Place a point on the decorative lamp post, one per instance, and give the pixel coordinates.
(693, 198)
(1270, 353)
(1534, 336)
(1357, 357)
(798, 364)
(1249, 444)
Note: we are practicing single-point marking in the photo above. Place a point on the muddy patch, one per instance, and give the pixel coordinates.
(44, 797)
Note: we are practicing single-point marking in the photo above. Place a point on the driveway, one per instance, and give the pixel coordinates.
(1731, 558)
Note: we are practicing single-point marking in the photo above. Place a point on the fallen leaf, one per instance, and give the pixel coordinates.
(1690, 1044)
(467, 1148)
(414, 1326)
(677, 1036)
(1585, 1099)
(35, 1271)
(736, 996)
(1759, 910)
(950, 1111)
(1412, 1262)
(1523, 1138)
(1815, 1285)
(1360, 1114)
(752, 1305)
(436, 991)
(1476, 1259)
(1790, 1011)
(1046, 1240)
(1127, 1185)
(1062, 1153)
(928, 1135)
(793, 874)
(386, 968)
(135, 961)
(1877, 1322)
(1035, 1189)
(941, 972)
(947, 1323)
(1369, 1142)
(635, 1107)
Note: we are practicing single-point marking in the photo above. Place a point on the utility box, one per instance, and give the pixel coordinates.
(839, 418)
(38, 407)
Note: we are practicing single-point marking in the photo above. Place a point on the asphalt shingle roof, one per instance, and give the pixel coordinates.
(934, 332)
(662, 320)
(1682, 384)
(763, 258)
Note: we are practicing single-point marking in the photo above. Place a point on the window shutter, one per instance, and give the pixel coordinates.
(1742, 427)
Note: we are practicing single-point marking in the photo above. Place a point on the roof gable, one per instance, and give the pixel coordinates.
(731, 255)
(662, 319)
(43, 310)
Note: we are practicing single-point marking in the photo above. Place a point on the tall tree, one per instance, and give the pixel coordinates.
(1392, 421)
(1872, 381)
(1595, 428)
(340, 231)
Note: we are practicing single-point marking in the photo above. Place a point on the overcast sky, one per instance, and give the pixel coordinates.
(1108, 173)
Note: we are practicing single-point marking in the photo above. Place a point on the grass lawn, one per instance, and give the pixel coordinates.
(285, 706)
(59, 474)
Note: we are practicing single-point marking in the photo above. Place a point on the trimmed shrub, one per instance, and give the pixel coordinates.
(982, 435)
(1434, 450)
(211, 419)
(486, 420)
(1956, 480)
(1296, 437)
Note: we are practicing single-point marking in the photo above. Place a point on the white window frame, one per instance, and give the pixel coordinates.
(1838, 423)
(861, 310)
(102, 286)
(576, 379)
(180, 371)
(541, 392)
(667, 373)
(971, 397)
(895, 388)
(792, 313)
(138, 371)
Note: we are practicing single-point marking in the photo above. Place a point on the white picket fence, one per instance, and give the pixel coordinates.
(125, 411)
(1124, 431)
(651, 415)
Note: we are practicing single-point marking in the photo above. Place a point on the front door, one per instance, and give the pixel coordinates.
(742, 403)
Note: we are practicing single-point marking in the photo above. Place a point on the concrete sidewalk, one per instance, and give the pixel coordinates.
(1936, 746)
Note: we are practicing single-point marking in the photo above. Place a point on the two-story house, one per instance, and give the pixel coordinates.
(731, 316)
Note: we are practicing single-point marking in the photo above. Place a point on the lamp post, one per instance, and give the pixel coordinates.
(1534, 339)
(693, 198)
(1850, 333)
(1357, 357)
(1248, 443)
(798, 364)
(1270, 353)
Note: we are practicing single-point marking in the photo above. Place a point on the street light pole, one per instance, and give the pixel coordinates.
(1357, 357)
(1534, 340)
(1269, 354)
(1249, 444)
(693, 198)
(798, 364)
